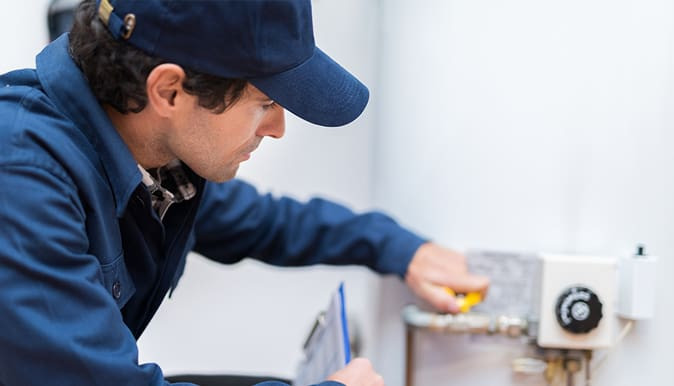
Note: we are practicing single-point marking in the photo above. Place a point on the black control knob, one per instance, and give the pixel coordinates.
(578, 310)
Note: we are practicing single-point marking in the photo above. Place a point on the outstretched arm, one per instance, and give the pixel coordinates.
(235, 222)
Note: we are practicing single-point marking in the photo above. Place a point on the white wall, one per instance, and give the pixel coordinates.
(528, 126)
(23, 32)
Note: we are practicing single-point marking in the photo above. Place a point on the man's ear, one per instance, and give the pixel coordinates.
(164, 86)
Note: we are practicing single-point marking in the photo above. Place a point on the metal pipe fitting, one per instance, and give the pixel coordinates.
(471, 322)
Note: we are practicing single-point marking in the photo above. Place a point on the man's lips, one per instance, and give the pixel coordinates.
(247, 154)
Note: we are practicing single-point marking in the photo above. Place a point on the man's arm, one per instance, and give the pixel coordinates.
(60, 323)
(235, 221)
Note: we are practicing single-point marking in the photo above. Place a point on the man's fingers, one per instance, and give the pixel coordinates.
(439, 298)
(358, 372)
(443, 297)
(435, 269)
(469, 283)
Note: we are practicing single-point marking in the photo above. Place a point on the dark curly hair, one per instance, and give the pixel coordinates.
(117, 71)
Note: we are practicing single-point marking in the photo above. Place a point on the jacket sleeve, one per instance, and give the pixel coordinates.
(234, 222)
(59, 323)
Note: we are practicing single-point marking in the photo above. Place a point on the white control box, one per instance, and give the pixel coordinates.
(637, 286)
(578, 299)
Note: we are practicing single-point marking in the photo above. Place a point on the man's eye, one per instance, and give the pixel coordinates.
(269, 105)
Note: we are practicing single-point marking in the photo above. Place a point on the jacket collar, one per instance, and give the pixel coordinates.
(66, 86)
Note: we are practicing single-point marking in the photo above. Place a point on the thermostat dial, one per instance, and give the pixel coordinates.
(578, 310)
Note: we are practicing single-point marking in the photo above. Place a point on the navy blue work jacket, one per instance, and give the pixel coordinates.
(85, 261)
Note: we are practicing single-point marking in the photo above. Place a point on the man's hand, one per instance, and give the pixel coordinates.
(358, 372)
(434, 268)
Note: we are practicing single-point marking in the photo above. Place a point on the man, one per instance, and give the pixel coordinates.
(107, 149)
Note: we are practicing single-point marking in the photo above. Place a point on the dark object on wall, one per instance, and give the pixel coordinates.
(60, 17)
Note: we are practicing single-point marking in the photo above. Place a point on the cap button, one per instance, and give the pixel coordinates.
(129, 25)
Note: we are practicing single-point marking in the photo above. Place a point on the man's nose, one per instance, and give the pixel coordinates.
(274, 124)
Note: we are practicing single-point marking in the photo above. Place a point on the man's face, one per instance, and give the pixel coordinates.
(213, 145)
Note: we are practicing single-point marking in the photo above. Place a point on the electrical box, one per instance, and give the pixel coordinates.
(637, 286)
(577, 302)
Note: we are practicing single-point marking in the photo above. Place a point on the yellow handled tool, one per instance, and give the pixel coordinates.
(467, 301)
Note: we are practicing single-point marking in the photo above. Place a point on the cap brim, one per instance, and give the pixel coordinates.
(319, 91)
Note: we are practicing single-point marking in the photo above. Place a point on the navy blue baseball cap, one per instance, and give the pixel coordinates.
(270, 43)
